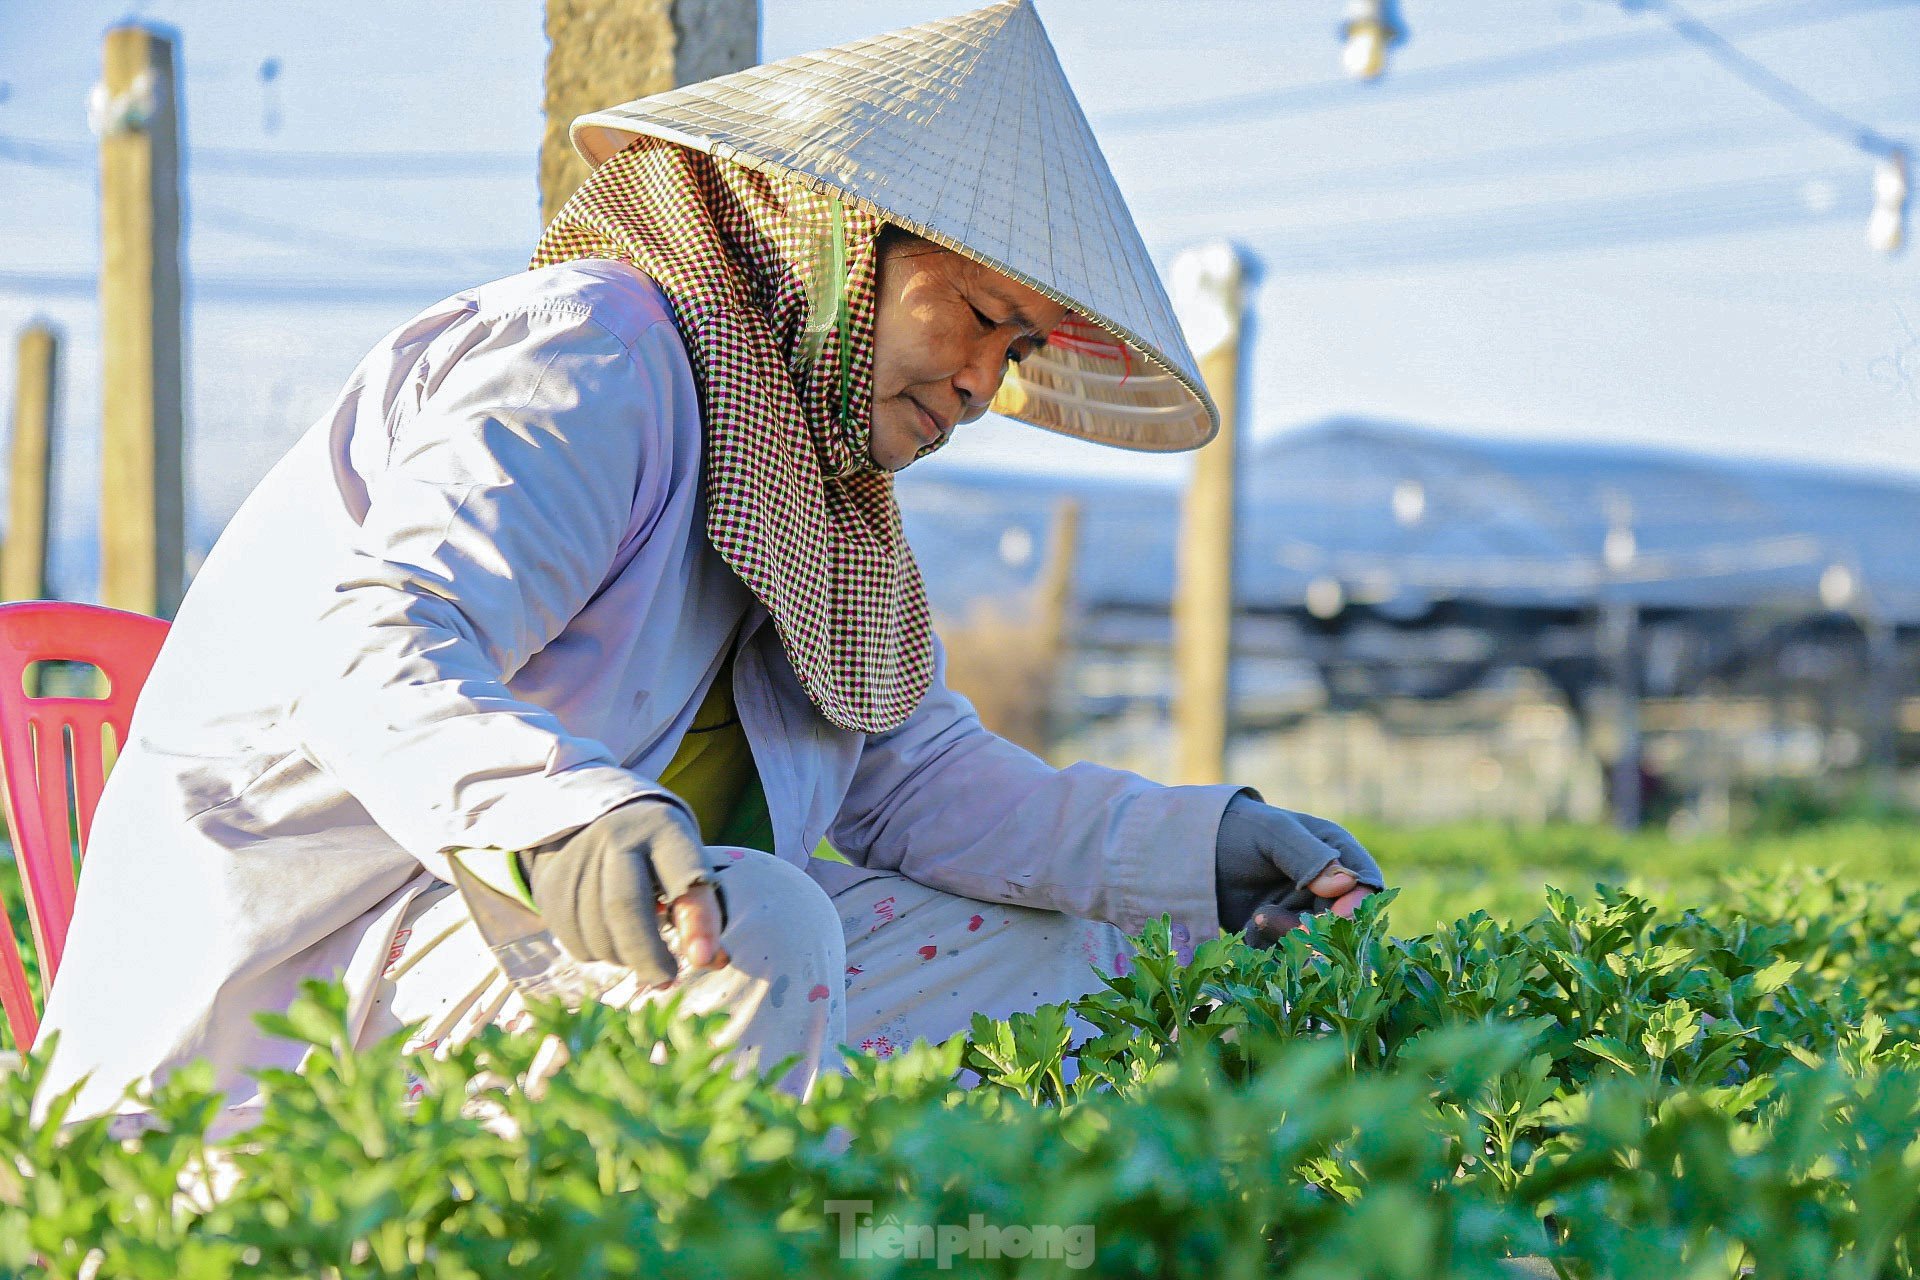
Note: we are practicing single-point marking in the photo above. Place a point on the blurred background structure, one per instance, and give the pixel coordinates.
(1571, 352)
(1433, 626)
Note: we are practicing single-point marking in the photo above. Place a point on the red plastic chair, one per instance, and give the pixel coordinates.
(51, 750)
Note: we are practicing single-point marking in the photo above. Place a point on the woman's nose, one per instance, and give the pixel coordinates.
(979, 381)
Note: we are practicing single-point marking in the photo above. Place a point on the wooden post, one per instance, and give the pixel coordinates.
(1620, 651)
(23, 557)
(142, 499)
(1053, 611)
(1882, 717)
(1209, 295)
(605, 52)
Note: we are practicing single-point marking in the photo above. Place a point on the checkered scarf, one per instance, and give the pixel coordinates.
(794, 505)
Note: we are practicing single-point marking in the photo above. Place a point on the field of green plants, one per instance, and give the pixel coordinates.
(1447, 872)
(1722, 1078)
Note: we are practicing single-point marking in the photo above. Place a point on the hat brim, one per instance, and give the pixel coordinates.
(1097, 381)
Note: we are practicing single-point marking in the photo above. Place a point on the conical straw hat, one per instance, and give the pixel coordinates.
(966, 132)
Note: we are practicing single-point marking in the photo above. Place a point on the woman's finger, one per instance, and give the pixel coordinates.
(696, 918)
(437, 1028)
(1332, 882)
(513, 1015)
(1346, 904)
(478, 1016)
(1269, 924)
(547, 1062)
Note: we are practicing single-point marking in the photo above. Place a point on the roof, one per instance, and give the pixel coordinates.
(1403, 517)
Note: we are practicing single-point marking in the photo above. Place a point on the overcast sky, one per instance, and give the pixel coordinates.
(1552, 217)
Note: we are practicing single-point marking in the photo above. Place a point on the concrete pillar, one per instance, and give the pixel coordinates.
(1209, 295)
(142, 498)
(604, 52)
(23, 557)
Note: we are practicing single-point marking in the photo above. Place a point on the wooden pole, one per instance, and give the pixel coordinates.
(1054, 613)
(1620, 648)
(1883, 707)
(1208, 290)
(142, 499)
(23, 557)
(605, 52)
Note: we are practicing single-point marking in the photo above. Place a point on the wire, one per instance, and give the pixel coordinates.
(1724, 208)
(265, 163)
(41, 155)
(1735, 207)
(1764, 81)
(1530, 160)
(1319, 95)
(339, 291)
(377, 252)
(521, 165)
(1469, 73)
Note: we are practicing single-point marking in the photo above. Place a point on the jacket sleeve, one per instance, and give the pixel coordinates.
(539, 445)
(945, 802)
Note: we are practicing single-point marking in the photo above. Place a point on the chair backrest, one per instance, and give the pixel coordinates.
(52, 754)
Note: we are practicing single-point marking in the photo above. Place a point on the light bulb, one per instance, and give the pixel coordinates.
(1886, 231)
(1620, 548)
(1887, 224)
(1207, 285)
(1837, 587)
(1371, 28)
(1016, 546)
(1326, 598)
(1365, 56)
(1409, 503)
(131, 112)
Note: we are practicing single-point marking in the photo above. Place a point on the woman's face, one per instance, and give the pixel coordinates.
(944, 328)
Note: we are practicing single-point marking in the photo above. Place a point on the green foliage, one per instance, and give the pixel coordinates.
(1622, 1090)
(1446, 871)
(1782, 805)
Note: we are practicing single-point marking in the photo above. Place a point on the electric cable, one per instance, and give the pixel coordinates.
(1468, 73)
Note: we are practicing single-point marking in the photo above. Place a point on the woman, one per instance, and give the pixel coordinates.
(592, 578)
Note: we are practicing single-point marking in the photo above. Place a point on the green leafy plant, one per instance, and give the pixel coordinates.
(1611, 1087)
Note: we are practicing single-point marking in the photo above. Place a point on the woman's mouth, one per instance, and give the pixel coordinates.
(930, 429)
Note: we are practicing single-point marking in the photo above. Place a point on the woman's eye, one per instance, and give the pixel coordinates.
(1015, 353)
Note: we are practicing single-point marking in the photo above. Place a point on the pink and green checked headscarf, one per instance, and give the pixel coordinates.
(773, 288)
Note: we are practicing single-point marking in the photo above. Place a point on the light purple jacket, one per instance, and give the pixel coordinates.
(475, 607)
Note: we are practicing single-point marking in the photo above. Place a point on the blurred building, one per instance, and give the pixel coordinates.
(1436, 626)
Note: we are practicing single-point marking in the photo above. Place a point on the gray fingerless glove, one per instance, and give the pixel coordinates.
(601, 889)
(1267, 855)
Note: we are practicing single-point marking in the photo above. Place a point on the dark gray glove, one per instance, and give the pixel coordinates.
(603, 888)
(1267, 857)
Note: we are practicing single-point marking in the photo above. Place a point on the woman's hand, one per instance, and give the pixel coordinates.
(1271, 922)
(607, 889)
(1272, 866)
